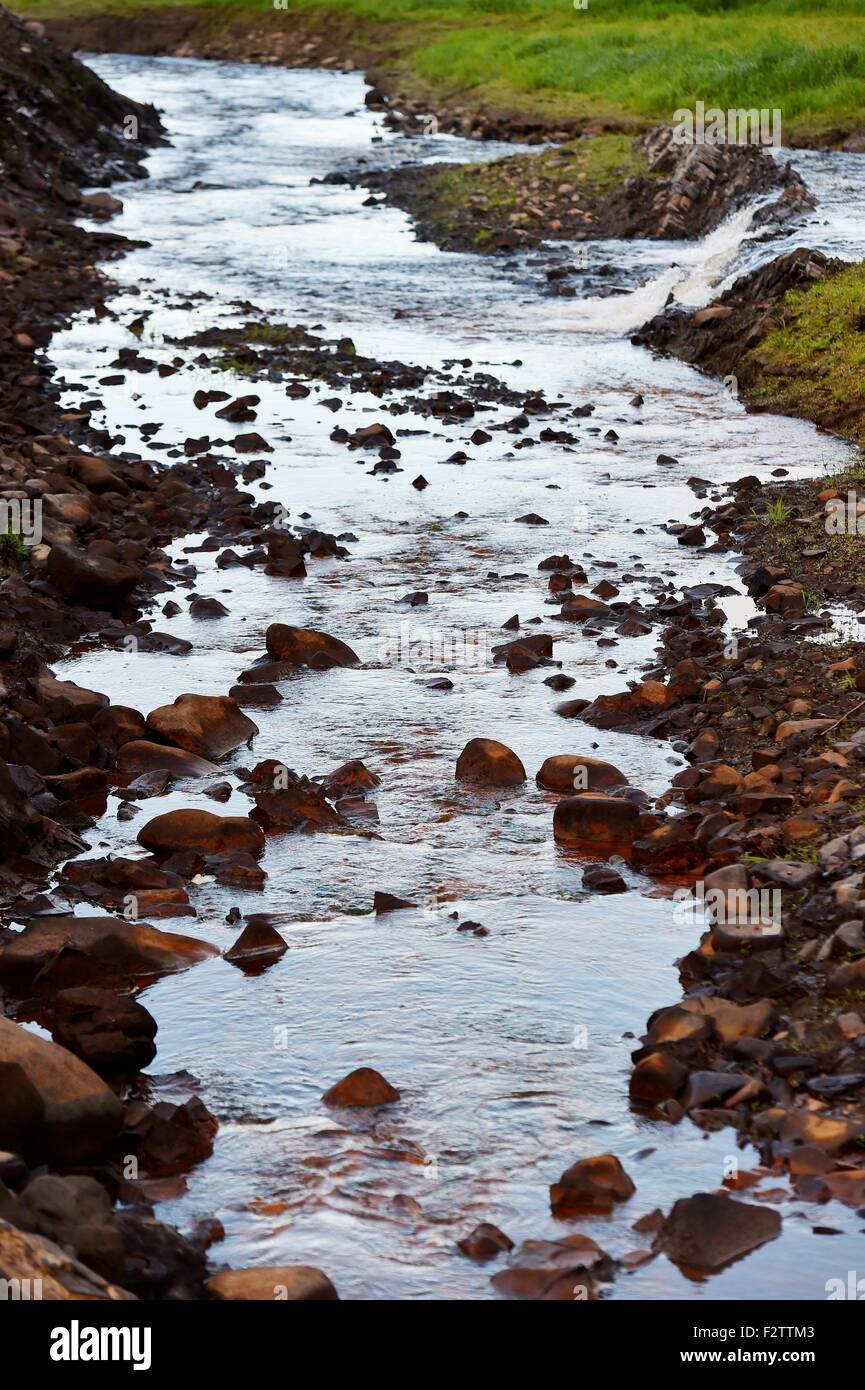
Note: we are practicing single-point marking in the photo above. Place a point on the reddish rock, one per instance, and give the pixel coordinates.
(71, 1114)
(555, 1270)
(272, 1283)
(591, 1184)
(492, 764)
(207, 725)
(58, 952)
(596, 824)
(361, 1087)
(485, 1242)
(300, 646)
(140, 755)
(201, 830)
(570, 772)
(657, 1077)
(110, 1032)
(259, 944)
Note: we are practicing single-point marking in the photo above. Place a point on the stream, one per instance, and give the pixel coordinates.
(511, 1051)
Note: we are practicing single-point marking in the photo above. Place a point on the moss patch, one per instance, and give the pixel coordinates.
(812, 363)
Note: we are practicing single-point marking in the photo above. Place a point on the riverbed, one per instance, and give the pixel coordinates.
(511, 1051)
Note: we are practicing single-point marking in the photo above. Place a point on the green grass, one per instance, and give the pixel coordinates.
(622, 60)
(813, 363)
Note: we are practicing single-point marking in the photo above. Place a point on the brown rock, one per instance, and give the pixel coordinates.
(364, 1086)
(570, 772)
(96, 581)
(596, 823)
(140, 755)
(207, 725)
(591, 1184)
(485, 1242)
(39, 1263)
(272, 1283)
(202, 830)
(486, 761)
(55, 953)
(707, 1231)
(300, 646)
(79, 1114)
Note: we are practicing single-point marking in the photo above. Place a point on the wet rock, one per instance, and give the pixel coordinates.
(600, 878)
(203, 609)
(487, 762)
(596, 824)
(168, 1139)
(53, 953)
(706, 1232)
(649, 700)
(568, 772)
(76, 1114)
(60, 1276)
(656, 1078)
(96, 581)
(259, 944)
(269, 1283)
(112, 1033)
(118, 725)
(255, 696)
(201, 830)
(298, 646)
(555, 1270)
(76, 1212)
(208, 725)
(386, 902)
(485, 1242)
(353, 776)
(141, 756)
(591, 1184)
(293, 803)
(362, 1087)
(64, 701)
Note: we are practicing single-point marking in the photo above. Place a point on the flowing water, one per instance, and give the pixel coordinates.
(511, 1051)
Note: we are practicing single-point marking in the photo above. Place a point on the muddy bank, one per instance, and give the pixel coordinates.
(601, 186)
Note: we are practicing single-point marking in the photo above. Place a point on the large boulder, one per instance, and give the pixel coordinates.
(272, 1283)
(207, 725)
(201, 830)
(492, 764)
(79, 1113)
(302, 646)
(591, 1184)
(570, 772)
(707, 1231)
(597, 824)
(95, 581)
(140, 755)
(55, 953)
